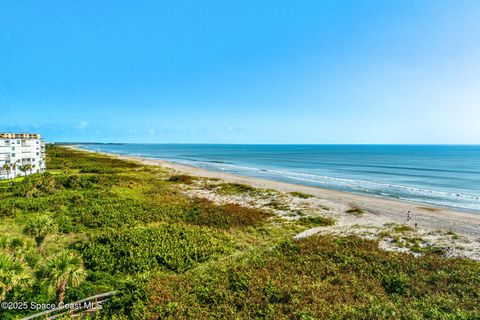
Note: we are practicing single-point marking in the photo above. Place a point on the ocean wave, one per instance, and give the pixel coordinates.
(365, 185)
(403, 168)
(317, 178)
(422, 192)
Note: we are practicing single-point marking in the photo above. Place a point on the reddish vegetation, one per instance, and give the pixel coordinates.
(322, 277)
(205, 212)
(183, 178)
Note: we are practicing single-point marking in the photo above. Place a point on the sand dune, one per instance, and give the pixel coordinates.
(458, 232)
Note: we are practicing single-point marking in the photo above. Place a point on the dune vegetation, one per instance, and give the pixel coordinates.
(94, 224)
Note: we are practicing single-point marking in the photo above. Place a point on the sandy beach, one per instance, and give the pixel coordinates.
(457, 232)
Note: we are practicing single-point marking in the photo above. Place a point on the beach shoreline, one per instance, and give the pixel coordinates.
(455, 233)
(395, 211)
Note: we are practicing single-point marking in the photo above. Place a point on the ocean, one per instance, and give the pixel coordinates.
(438, 175)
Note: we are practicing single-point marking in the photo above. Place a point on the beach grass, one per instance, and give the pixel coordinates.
(300, 195)
(316, 221)
(355, 210)
(235, 189)
(171, 256)
(182, 178)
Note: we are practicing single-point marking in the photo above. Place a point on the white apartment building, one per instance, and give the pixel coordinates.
(20, 151)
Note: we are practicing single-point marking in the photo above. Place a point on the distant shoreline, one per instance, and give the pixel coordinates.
(368, 177)
(386, 210)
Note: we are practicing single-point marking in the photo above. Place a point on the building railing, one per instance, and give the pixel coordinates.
(19, 136)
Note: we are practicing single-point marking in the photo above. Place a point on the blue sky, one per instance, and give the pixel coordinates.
(249, 71)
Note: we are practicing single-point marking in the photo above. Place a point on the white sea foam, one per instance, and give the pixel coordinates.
(419, 191)
(408, 193)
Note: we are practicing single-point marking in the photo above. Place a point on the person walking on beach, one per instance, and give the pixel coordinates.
(409, 216)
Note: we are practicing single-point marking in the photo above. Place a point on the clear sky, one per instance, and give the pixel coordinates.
(246, 71)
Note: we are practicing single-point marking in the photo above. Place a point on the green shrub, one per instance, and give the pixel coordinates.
(36, 186)
(396, 283)
(300, 195)
(98, 169)
(39, 226)
(58, 158)
(177, 248)
(186, 179)
(316, 221)
(108, 211)
(205, 213)
(278, 205)
(402, 228)
(14, 274)
(356, 211)
(323, 277)
(234, 189)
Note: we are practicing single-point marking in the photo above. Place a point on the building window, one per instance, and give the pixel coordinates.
(13, 154)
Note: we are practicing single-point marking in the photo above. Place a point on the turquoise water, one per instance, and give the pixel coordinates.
(446, 176)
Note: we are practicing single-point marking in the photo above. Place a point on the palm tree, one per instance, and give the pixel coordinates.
(6, 167)
(39, 227)
(13, 166)
(24, 168)
(63, 270)
(13, 273)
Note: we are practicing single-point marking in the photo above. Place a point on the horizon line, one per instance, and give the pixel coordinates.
(285, 144)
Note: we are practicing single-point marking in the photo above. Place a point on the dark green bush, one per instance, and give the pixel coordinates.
(205, 213)
(356, 211)
(181, 179)
(300, 195)
(177, 248)
(316, 221)
(324, 277)
(234, 188)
